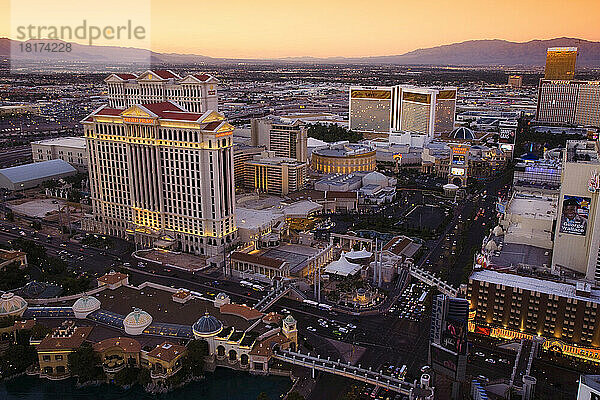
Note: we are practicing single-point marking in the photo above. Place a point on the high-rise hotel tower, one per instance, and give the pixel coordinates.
(160, 173)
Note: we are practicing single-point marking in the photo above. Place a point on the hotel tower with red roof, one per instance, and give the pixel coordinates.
(161, 163)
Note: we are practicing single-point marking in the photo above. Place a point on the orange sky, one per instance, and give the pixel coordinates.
(320, 28)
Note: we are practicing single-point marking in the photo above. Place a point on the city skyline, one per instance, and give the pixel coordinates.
(311, 29)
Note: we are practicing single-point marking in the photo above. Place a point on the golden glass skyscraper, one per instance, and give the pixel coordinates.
(560, 63)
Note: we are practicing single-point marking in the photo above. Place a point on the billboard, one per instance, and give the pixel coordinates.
(443, 358)
(454, 337)
(457, 171)
(458, 159)
(377, 94)
(574, 215)
(507, 134)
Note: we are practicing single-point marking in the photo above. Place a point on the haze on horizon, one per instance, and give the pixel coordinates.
(335, 28)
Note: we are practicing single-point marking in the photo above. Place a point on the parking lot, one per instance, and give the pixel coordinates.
(411, 304)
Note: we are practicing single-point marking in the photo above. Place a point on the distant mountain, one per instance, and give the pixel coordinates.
(494, 52)
(471, 53)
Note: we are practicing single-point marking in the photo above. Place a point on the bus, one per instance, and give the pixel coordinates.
(246, 284)
(323, 306)
(311, 303)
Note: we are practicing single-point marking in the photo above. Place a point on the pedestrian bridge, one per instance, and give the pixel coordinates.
(272, 297)
(432, 280)
(352, 372)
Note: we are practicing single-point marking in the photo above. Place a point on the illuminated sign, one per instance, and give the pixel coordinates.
(416, 97)
(457, 171)
(138, 120)
(458, 159)
(594, 182)
(212, 92)
(371, 94)
(460, 150)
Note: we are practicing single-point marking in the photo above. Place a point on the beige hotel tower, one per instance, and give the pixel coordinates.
(161, 174)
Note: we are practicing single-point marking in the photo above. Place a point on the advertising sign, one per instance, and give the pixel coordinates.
(574, 215)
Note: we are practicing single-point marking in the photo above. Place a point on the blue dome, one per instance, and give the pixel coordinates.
(462, 133)
(207, 325)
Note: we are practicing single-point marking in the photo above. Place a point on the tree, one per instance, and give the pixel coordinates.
(85, 363)
(194, 362)
(17, 358)
(295, 396)
(262, 396)
(333, 133)
(39, 331)
(127, 376)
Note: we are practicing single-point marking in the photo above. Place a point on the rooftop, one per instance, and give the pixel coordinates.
(69, 141)
(533, 284)
(167, 351)
(38, 170)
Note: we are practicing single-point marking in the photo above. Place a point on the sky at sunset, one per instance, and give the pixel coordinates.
(319, 28)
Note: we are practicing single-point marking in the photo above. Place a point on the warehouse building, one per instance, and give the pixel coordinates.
(28, 176)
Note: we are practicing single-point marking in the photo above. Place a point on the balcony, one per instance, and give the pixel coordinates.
(113, 366)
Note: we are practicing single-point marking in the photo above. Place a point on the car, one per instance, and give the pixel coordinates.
(480, 354)
(490, 360)
(343, 330)
(425, 368)
(483, 378)
(310, 328)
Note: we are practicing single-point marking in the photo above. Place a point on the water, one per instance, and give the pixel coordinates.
(223, 384)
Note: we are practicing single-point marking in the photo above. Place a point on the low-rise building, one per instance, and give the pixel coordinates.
(164, 361)
(344, 158)
(69, 149)
(54, 349)
(275, 175)
(8, 257)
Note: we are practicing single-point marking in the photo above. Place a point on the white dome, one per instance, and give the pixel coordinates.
(85, 305)
(136, 321)
(11, 305)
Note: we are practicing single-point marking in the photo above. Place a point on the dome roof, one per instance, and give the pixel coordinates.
(33, 289)
(222, 296)
(86, 304)
(462, 133)
(207, 325)
(289, 319)
(138, 318)
(10, 304)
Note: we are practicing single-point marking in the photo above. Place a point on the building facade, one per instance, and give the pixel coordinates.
(284, 139)
(515, 81)
(69, 149)
(275, 175)
(159, 172)
(194, 93)
(569, 102)
(241, 171)
(343, 158)
(577, 234)
(560, 63)
(382, 109)
(510, 306)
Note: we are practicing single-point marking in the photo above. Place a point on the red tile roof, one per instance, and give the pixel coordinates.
(167, 351)
(165, 73)
(397, 244)
(158, 108)
(241, 311)
(111, 278)
(265, 347)
(127, 345)
(202, 77)
(126, 76)
(109, 111)
(72, 342)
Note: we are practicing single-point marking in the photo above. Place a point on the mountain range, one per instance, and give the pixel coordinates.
(470, 53)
